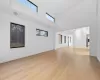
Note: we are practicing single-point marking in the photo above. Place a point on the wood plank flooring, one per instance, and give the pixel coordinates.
(62, 64)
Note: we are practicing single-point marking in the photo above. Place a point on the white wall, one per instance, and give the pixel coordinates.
(79, 40)
(98, 31)
(93, 39)
(78, 37)
(33, 44)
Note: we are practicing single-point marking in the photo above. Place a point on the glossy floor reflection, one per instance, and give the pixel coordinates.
(62, 64)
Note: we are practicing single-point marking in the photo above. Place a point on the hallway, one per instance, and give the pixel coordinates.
(62, 64)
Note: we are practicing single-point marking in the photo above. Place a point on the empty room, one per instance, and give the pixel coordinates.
(49, 40)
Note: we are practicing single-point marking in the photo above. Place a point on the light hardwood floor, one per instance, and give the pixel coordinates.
(62, 64)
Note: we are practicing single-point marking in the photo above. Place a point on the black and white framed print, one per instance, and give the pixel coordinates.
(40, 32)
(46, 33)
(17, 35)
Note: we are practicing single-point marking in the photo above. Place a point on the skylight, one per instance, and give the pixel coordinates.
(29, 4)
(49, 17)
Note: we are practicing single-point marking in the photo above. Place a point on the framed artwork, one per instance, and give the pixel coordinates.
(40, 32)
(17, 35)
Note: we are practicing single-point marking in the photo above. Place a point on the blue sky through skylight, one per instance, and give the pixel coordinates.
(28, 4)
(50, 18)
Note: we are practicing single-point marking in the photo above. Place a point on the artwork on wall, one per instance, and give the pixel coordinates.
(40, 32)
(17, 35)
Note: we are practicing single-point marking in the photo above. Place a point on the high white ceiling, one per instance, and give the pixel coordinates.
(56, 7)
(69, 14)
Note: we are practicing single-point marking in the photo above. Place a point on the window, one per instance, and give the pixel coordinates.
(29, 4)
(60, 39)
(64, 39)
(40, 32)
(49, 17)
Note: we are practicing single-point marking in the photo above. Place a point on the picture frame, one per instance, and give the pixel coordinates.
(17, 35)
(40, 32)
